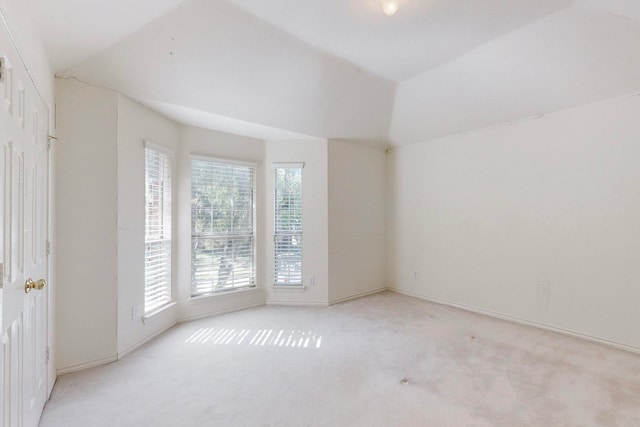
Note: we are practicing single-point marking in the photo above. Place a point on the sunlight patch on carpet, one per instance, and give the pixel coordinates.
(259, 338)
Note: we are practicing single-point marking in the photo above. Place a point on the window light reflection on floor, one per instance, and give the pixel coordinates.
(259, 338)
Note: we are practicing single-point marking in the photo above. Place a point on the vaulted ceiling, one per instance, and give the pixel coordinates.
(73, 30)
(341, 68)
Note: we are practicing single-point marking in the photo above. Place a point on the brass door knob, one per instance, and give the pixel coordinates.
(29, 285)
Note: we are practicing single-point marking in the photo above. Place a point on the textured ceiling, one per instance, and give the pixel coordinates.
(423, 34)
(73, 30)
(343, 69)
(420, 36)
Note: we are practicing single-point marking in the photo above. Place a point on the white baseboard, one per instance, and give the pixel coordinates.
(87, 365)
(356, 296)
(520, 321)
(217, 312)
(144, 341)
(298, 303)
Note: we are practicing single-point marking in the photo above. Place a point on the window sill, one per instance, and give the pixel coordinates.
(201, 299)
(289, 288)
(152, 313)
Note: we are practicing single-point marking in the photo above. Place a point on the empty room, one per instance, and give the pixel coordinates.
(320, 213)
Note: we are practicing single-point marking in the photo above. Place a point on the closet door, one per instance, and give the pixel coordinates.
(23, 255)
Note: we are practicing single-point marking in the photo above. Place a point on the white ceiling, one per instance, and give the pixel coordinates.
(314, 66)
(205, 120)
(629, 9)
(420, 36)
(73, 30)
(213, 57)
(574, 57)
(423, 34)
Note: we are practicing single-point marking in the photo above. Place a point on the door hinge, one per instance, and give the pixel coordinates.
(2, 73)
(46, 355)
(47, 247)
(50, 139)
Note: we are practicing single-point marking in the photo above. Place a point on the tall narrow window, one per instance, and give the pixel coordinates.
(288, 225)
(157, 236)
(222, 226)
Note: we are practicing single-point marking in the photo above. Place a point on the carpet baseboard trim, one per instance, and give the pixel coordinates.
(297, 303)
(87, 365)
(356, 296)
(217, 312)
(519, 321)
(144, 341)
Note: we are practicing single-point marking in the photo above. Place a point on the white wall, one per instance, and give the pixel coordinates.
(315, 233)
(195, 141)
(100, 228)
(536, 220)
(86, 231)
(136, 124)
(101, 232)
(357, 219)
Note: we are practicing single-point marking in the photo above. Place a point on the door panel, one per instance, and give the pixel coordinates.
(35, 309)
(13, 293)
(23, 221)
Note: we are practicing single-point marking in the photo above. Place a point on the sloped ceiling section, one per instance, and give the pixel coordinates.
(422, 35)
(579, 55)
(288, 69)
(212, 57)
(623, 8)
(74, 29)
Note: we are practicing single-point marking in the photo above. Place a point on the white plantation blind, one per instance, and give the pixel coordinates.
(288, 225)
(222, 226)
(157, 236)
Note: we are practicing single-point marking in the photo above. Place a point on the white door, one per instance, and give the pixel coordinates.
(23, 256)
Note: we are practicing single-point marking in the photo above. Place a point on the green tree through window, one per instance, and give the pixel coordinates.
(288, 226)
(222, 226)
(157, 235)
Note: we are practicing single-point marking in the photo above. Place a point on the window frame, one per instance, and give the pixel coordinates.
(168, 154)
(300, 234)
(253, 235)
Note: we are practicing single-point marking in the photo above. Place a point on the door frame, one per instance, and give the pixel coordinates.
(23, 56)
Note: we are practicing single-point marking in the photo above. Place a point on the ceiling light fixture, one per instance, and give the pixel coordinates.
(390, 7)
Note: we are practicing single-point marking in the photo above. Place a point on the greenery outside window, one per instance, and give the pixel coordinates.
(288, 225)
(222, 226)
(157, 234)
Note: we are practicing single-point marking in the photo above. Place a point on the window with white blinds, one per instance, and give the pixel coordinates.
(222, 226)
(288, 225)
(157, 235)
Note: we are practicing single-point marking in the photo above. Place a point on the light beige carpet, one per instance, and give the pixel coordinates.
(383, 360)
